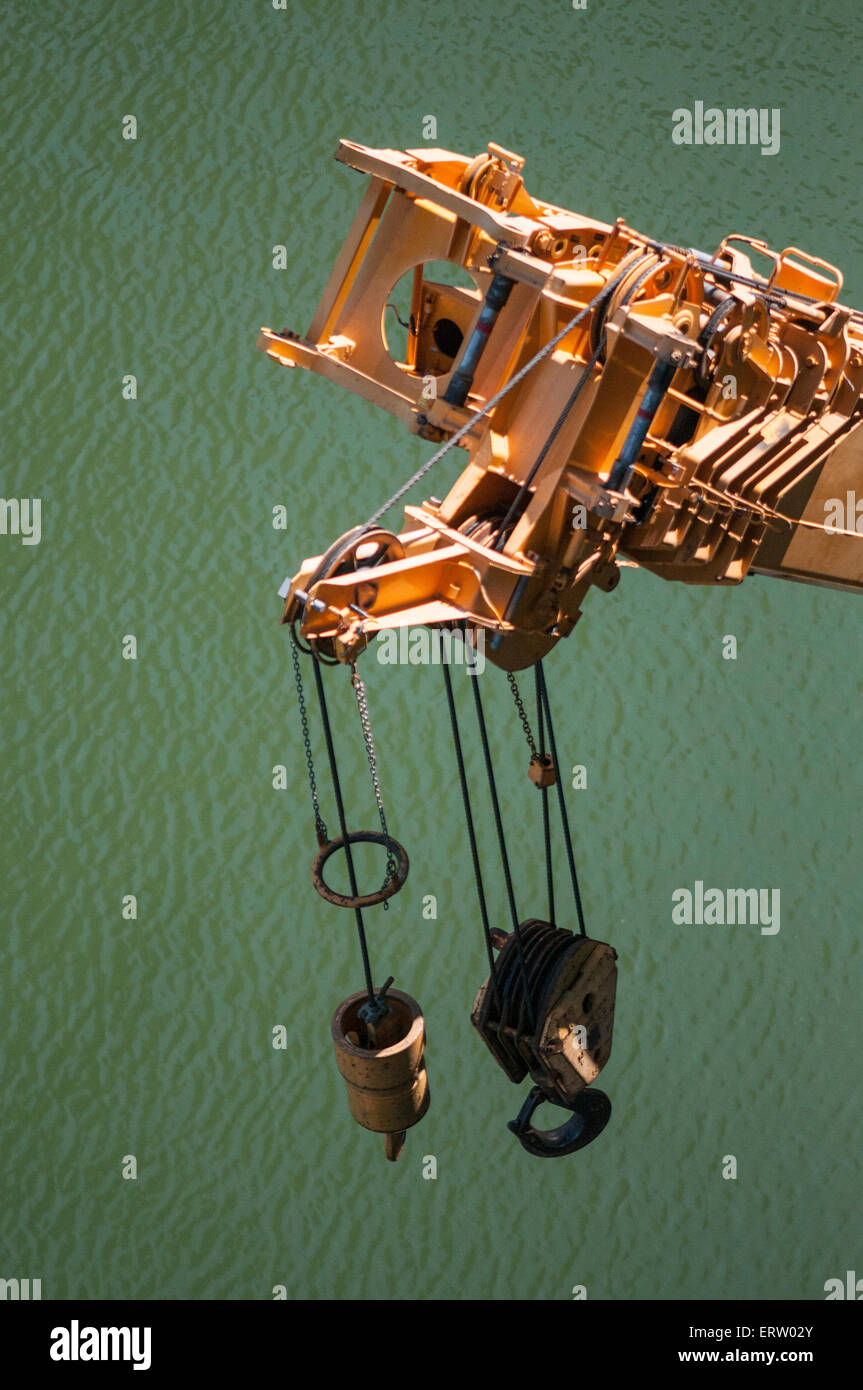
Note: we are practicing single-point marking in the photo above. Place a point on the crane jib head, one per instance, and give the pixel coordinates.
(621, 402)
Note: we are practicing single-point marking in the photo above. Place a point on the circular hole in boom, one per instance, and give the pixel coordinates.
(431, 321)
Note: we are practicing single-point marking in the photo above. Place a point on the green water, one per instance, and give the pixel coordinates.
(153, 777)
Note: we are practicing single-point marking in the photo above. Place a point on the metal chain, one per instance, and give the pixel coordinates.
(320, 825)
(363, 707)
(525, 722)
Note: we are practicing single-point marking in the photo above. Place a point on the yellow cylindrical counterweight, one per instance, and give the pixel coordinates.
(384, 1068)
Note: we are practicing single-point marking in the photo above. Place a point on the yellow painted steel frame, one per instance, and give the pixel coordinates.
(755, 427)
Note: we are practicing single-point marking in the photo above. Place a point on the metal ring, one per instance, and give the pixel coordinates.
(591, 1113)
(360, 837)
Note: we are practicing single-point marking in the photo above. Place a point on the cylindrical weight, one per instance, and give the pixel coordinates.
(386, 1077)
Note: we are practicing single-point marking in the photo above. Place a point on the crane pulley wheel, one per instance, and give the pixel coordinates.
(362, 547)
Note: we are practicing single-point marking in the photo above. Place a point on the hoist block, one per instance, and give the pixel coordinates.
(549, 1008)
(385, 1073)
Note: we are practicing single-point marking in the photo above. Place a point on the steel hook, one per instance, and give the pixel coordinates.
(591, 1111)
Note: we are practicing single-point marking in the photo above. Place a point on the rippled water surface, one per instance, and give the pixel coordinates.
(153, 777)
